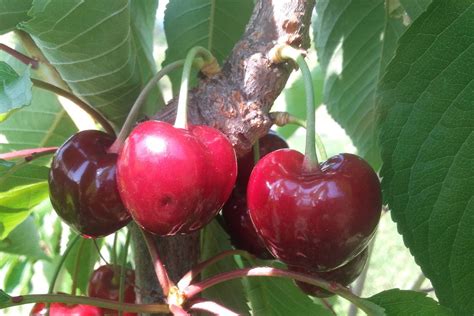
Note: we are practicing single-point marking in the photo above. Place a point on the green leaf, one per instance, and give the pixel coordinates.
(24, 240)
(277, 296)
(214, 24)
(231, 293)
(427, 144)
(400, 303)
(354, 40)
(143, 15)
(415, 8)
(21, 174)
(88, 256)
(95, 49)
(15, 90)
(295, 99)
(17, 203)
(13, 12)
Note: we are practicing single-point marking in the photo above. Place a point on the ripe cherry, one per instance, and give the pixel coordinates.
(175, 180)
(317, 219)
(61, 309)
(104, 283)
(235, 211)
(82, 185)
(343, 275)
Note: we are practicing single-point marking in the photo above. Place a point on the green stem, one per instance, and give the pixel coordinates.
(142, 97)
(182, 112)
(76, 266)
(256, 151)
(123, 269)
(115, 266)
(81, 104)
(71, 299)
(61, 262)
(310, 163)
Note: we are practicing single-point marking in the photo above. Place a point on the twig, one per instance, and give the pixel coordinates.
(97, 116)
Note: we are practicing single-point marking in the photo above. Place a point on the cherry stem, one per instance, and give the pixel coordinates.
(123, 269)
(142, 97)
(207, 58)
(71, 299)
(332, 287)
(160, 270)
(283, 118)
(197, 269)
(98, 251)
(61, 262)
(19, 56)
(211, 307)
(29, 154)
(76, 266)
(310, 162)
(97, 116)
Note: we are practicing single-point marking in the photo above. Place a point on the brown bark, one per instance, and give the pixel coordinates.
(237, 102)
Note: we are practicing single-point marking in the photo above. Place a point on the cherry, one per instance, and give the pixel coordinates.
(343, 275)
(61, 309)
(82, 185)
(175, 180)
(235, 211)
(103, 283)
(238, 225)
(317, 219)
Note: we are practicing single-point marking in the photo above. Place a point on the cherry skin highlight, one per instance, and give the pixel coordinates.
(173, 180)
(319, 219)
(343, 275)
(235, 211)
(82, 185)
(60, 309)
(103, 285)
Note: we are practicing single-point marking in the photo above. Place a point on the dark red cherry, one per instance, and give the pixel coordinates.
(173, 180)
(320, 219)
(267, 143)
(343, 275)
(240, 228)
(82, 185)
(102, 284)
(60, 309)
(235, 212)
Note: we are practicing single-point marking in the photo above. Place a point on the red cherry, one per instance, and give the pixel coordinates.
(240, 228)
(82, 185)
(235, 211)
(343, 275)
(102, 285)
(60, 309)
(320, 219)
(175, 180)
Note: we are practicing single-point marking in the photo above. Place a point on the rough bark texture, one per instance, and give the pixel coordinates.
(237, 102)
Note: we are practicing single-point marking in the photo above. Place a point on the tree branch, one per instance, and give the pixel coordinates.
(237, 100)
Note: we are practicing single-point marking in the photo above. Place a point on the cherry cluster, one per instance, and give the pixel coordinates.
(317, 218)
